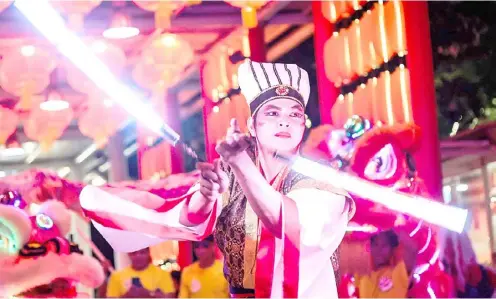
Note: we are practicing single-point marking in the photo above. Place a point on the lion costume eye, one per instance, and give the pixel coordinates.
(383, 165)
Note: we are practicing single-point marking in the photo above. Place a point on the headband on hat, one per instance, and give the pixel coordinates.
(264, 82)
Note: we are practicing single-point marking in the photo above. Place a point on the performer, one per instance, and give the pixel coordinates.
(277, 229)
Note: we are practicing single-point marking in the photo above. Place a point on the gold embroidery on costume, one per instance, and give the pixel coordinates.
(236, 230)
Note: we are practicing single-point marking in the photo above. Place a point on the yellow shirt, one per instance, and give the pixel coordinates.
(152, 278)
(387, 282)
(197, 282)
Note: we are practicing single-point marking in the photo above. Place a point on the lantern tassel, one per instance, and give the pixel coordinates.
(25, 101)
(249, 17)
(163, 18)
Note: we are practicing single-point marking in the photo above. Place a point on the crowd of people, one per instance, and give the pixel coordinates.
(142, 279)
(393, 260)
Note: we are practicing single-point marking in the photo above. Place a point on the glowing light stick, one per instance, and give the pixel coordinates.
(52, 26)
(436, 213)
(46, 19)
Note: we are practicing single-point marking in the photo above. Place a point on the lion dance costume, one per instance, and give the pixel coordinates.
(383, 155)
(36, 260)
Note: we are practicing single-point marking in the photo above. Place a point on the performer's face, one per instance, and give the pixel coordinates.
(204, 250)
(279, 125)
(140, 259)
(381, 250)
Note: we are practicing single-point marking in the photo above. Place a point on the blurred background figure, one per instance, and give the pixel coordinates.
(471, 279)
(205, 277)
(393, 259)
(141, 279)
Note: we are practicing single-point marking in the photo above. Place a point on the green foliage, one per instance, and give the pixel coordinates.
(463, 37)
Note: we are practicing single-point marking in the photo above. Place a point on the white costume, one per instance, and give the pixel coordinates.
(255, 261)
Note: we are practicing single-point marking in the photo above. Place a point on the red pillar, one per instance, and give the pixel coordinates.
(173, 120)
(185, 254)
(208, 104)
(257, 44)
(423, 95)
(328, 93)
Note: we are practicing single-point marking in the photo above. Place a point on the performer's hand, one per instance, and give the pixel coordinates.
(234, 144)
(213, 181)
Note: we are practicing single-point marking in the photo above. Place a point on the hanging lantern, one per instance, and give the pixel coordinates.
(361, 102)
(334, 10)
(163, 10)
(110, 118)
(371, 39)
(114, 58)
(337, 59)
(168, 50)
(248, 10)
(120, 28)
(46, 127)
(146, 75)
(395, 30)
(75, 10)
(8, 123)
(356, 49)
(35, 64)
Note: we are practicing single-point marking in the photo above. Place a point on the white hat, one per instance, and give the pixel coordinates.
(263, 82)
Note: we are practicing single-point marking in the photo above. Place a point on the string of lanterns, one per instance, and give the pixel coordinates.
(397, 61)
(347, 21)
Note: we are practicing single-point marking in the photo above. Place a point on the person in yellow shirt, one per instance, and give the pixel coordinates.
(204, 278)
(390, 276)
(141, 279)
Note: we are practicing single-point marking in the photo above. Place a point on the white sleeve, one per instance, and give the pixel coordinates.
(131, 219)
(323, 218)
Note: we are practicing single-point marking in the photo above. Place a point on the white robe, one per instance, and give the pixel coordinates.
(136, 224)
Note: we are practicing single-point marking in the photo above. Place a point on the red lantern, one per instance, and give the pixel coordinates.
(339, 111)
(101, 120)
(334, 10)
(47, 126)
(114, 58)
(168, 50)
(356, 50)
(36, 65)
(371, 39)
(148, 76)
(337, 59)
(8, 123)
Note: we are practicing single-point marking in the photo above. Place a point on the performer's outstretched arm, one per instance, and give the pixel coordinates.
(213, 183)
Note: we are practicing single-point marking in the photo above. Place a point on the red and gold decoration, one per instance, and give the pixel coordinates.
(47, 125)
(36, 63)
(248, 10)
(365, 59)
